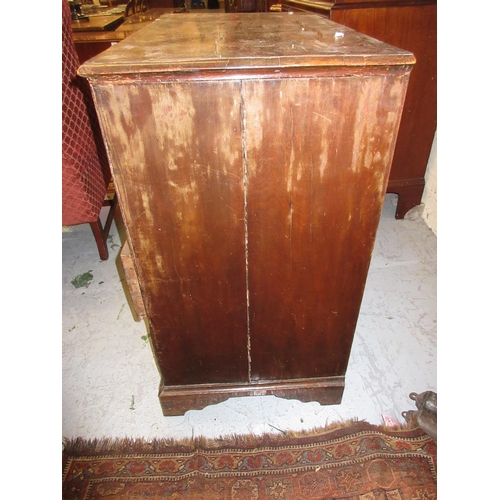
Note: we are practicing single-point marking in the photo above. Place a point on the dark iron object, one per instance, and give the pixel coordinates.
(426, 413)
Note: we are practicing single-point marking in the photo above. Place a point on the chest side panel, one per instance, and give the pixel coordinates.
(176, 155)
(318, 157)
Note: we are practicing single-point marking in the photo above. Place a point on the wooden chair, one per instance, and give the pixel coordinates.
(85, 170)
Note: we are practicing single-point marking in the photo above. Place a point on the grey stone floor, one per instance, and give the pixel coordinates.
(110, 380)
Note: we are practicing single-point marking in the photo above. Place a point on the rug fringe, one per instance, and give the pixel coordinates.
(127, 445)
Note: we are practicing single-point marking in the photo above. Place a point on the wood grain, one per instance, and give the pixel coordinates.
(176, 157)
(132, 281)
(318, 167)
(232, 43)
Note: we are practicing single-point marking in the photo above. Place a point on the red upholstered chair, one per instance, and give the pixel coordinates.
(85, 169)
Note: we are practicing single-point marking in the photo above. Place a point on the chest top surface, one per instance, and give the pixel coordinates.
(225, 42)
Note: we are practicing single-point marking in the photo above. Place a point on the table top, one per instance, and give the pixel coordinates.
(98, 23)
(270, 41)
(140, 20)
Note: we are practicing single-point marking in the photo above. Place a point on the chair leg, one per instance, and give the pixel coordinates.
(101, 233)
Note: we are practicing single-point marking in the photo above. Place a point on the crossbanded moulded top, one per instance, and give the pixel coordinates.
(225, 42)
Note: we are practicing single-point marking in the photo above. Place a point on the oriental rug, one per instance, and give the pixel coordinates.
(353, 461)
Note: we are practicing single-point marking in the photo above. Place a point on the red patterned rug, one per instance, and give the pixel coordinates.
(355, 461)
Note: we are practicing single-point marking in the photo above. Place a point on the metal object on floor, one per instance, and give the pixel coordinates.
(426, 413)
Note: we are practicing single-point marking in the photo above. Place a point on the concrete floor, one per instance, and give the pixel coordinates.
(110, 380)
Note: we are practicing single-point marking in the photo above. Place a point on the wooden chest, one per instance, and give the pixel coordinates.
(250, 155)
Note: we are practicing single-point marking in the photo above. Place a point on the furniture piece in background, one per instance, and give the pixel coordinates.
(96, 33)
(245, 6)
(85, 170)
(251, 242)
(103, 22)
(136, 7)
(411, 25)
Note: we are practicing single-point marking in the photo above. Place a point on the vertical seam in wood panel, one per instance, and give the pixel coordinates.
(245, 216)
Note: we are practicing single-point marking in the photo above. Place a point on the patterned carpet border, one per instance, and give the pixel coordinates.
(351, 460)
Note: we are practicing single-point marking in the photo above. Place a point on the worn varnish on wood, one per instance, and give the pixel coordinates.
(251, 155)
(132, 281)
(411, 25)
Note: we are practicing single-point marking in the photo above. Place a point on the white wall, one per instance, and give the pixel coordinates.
(429, 198)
